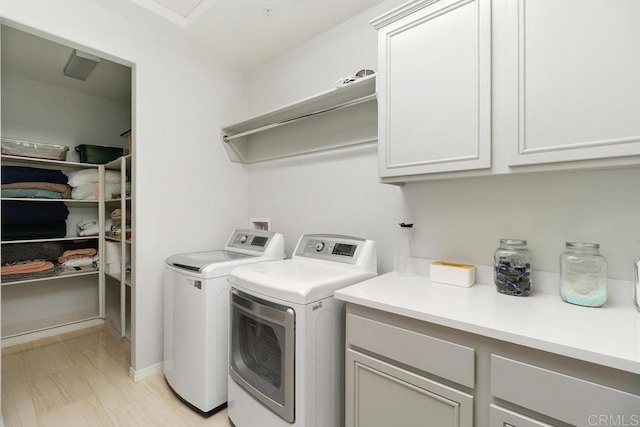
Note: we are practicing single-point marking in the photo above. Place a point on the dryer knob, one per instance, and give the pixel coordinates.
(243, 239)
(319, 246)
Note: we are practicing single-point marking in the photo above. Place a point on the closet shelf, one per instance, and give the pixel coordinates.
(44, 162)
(58, 276)
(55, 239)
(33, 199)
(332, 119)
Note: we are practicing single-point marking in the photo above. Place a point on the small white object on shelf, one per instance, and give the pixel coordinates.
(452, 273)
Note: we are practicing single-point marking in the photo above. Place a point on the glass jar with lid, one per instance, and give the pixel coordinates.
(583, 275)
(405, 262)
(512, 268)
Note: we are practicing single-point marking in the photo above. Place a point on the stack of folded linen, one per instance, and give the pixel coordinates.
(116, 228)
(79, 259)
(25, 261)
(22, 261)
(85, 183)
(33, 219)
(34, 183)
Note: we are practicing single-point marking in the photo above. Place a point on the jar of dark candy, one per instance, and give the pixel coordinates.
(512, 268)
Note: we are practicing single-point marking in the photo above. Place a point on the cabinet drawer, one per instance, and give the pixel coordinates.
(501, 417)
(569, 399)
(447, 360)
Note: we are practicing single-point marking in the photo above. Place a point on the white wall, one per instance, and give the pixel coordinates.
(188, 196)
(459, 220)
(55, 115)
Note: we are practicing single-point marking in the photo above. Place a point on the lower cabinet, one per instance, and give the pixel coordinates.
(405, 372)
(559, 396)
(404, 378)
(382, 394)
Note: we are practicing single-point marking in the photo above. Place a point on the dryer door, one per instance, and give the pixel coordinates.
(263, 351)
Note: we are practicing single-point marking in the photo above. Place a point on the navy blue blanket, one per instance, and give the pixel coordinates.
(25, 213)
(12, 174)
(49, 230)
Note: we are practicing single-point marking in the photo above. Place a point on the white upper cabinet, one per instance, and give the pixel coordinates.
(434, 87)
(573, 80)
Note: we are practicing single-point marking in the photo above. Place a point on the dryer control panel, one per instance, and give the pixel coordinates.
(330, 247)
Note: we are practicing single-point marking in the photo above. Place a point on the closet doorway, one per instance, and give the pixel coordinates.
(67, 253)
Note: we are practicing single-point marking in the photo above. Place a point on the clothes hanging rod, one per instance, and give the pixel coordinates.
(356, 101)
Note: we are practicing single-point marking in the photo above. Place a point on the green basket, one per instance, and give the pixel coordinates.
(98, 154)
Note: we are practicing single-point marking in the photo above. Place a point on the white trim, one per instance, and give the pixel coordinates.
(144, 373)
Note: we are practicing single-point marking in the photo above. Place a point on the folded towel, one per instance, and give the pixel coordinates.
(91, 191)
(49, 251)
(89, 176)
(24, 267)
(30, 193)
(6, 278)
(118, 194)
(77, 253)
(81, 262)
(88, 227)
(63, 189)
(11, 174)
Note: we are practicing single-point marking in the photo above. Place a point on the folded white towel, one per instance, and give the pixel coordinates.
(88, 227)
(88, 176)
(81, 262)
(91, 191)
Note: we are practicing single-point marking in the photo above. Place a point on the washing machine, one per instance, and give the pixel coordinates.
(196, 315)
(286, 363)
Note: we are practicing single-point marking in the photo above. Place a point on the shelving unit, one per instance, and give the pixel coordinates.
(70, 297)
(336, 118)
(118, 285)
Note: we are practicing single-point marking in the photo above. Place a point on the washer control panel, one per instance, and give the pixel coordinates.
(256, 240)
(329, 247)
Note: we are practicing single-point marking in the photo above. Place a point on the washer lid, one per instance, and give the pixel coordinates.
(297, 281)
(198, 261)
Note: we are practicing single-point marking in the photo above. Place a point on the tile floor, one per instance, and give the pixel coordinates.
(81, 379)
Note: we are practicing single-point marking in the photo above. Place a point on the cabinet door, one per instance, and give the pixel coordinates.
(573, 87)
(434, 87)
(379, 394)
(501, 417)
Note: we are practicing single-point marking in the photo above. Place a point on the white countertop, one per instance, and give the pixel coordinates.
(609, 335)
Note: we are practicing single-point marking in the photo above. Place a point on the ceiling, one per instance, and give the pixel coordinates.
(39, 59)
(242, 33)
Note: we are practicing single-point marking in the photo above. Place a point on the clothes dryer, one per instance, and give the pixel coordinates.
(286, 363)
(196, 313)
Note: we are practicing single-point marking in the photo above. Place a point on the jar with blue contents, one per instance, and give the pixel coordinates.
(512, 268)
(583, 275)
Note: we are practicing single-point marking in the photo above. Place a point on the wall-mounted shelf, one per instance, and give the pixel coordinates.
(332, 119)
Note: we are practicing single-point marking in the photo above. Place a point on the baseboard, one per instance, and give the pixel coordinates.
(141, 374)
